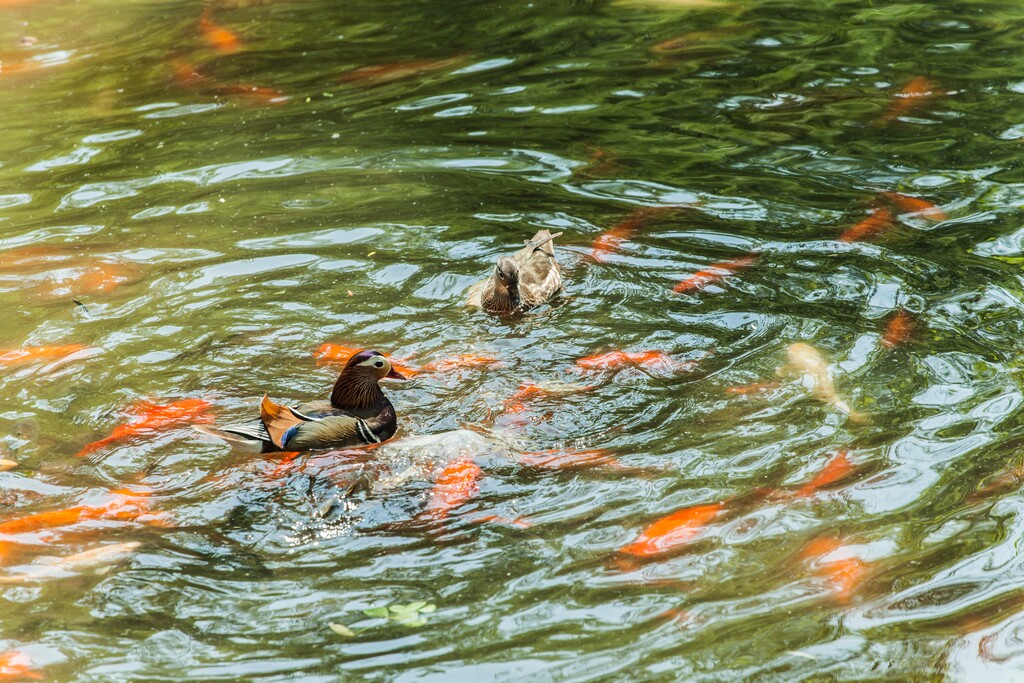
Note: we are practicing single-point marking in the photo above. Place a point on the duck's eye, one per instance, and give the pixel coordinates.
(379, 364)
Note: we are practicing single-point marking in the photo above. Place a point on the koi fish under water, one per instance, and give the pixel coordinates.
(394, 71)
(189, 76)
(914, 94)
(844, 573)
(656, 360)
(754, 388)
(804, 359)
(97, 278)
(20, 67)
(454, 485)
(533, 390)
(57, 568)
(16, 665)
(216, 36)
(151, 418)
(673, 531)
(609, 241)
(879, 220)
(1001, 483)
(915, 206)
(836, 469)
(713, 274)
(462, 360)
(899, 328)
(600, 163)
(125, 506)
(9, 357)
(566, 459)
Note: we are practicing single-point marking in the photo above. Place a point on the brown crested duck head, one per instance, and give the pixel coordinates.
(506, 276)
(357, 388)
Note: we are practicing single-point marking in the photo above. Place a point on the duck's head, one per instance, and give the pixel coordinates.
(370, 364)
(357, 388)
(506, 274)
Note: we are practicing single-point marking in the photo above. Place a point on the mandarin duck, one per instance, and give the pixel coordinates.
(357, 414)
(522, 281)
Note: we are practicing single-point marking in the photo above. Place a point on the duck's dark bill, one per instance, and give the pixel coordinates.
(394, 374)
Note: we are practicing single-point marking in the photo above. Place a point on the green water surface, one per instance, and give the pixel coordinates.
(253, 205)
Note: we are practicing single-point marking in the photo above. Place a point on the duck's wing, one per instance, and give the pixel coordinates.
(540, 277)
(297, 431)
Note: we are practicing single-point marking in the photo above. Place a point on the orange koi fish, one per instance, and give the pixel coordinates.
(527, 390)
(186, 74)
(658, 360)
(674, 531)
(1001, 483)
(565, 459)
(394, 71)
(24, 66)
(898, 329)
(517, 522)
(599, 163)
(151, 418)
(189, 76)
(608, 242)
(125, 506)
(16, 665)
(530, 390)
(453, 486)
(755, 388)
(7, 465)
(219, 38)
(462, 360)
(100, 278)
(912, 96)
(256, 94)
(836, 469)
(879, 221)
(38, 353)
(845, 574)
(337, 353)
(103, 278)
(915, 205)
(713, 274)
(56, 568)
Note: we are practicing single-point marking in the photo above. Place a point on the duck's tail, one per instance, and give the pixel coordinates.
(542, 240)
(250, 435)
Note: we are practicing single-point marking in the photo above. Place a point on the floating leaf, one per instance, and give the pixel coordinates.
(428, 608)
(409, 619)
(341, 629)
(380, 612)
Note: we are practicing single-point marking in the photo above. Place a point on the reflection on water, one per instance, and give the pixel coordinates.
(769, 431)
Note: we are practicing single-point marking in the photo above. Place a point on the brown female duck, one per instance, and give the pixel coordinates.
(358, 413)
(527, 279)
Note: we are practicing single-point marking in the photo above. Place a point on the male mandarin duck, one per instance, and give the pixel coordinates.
(527, 279)
(358, 413)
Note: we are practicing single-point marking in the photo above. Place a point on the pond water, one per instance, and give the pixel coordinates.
(195, 198)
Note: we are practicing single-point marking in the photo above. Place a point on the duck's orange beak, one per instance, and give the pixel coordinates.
(394, 374)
